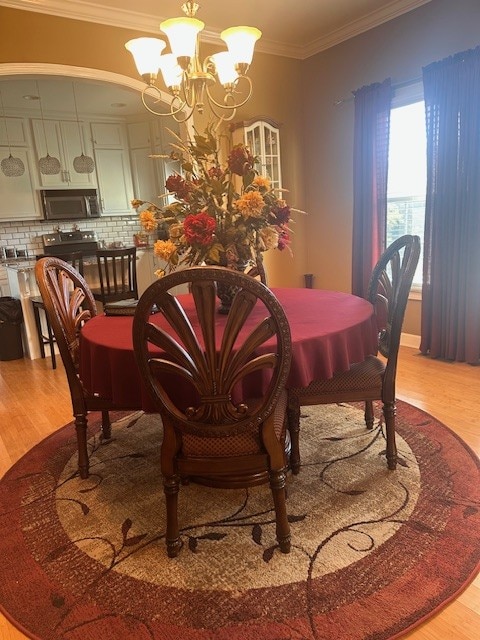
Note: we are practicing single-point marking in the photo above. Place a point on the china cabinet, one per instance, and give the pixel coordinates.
(262, 136)
(64, 140)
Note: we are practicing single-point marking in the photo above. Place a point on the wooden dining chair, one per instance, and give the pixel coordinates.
(227, 428)
(117, 273)
(69, 304)
(374, 378)
(45, 336)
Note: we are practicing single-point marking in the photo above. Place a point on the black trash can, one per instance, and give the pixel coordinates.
(11, 318)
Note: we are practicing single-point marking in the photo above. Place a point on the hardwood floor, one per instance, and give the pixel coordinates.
(35, 401)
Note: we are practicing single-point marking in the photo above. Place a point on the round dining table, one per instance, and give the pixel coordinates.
(330, 331)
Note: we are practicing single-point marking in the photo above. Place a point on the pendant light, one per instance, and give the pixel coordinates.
(11, 167)
(82, 163)
(48, 166)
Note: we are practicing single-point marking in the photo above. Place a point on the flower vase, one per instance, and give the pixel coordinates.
(227, 292)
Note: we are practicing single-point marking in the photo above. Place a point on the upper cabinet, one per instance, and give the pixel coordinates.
(18, 200)
(114, 173)
(14, 132)
(149, 151)
(65, 141)
(262, 136)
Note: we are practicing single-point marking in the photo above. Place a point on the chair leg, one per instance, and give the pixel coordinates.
(369, 414)
(106, 426)
(38, 325)
(51, 342)
(81, 428)
(293, 413)
(389, 411)
(171, 485)
(277, 485)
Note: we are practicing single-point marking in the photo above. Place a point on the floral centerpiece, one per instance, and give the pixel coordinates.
(210, 221)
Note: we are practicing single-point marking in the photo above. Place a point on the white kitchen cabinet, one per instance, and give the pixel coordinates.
(63, 140)
(18, 199)
(139, 135)
(149, 174)
(146, 183)
(109, 135)
(114, 173)
(13, 132)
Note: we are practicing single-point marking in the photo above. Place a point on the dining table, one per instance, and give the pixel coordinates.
(330, 331)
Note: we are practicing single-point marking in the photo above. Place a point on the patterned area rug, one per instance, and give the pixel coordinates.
(373, 552)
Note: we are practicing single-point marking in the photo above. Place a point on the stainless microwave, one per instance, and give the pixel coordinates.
(70, 204)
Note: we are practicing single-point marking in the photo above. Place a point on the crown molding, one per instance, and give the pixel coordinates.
(126, 19)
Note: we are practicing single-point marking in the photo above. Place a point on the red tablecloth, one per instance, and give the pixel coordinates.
(330, 331)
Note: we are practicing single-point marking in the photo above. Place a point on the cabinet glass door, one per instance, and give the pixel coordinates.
(264, 142)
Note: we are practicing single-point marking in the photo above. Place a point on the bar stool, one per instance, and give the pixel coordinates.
(75, 258)
(117, 271)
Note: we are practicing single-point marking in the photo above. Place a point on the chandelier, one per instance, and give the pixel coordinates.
(188, 79)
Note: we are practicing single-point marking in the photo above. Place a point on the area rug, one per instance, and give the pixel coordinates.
(374, 552)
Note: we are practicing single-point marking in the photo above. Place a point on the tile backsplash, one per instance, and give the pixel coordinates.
(25, 235)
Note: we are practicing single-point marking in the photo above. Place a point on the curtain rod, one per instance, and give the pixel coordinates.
(397, 85)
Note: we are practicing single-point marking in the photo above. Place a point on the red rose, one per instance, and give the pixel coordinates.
(240, 160)
(177, 185)
(199, 229)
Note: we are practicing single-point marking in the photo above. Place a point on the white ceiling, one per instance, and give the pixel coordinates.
(295, 29)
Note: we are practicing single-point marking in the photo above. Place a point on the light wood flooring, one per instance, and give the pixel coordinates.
(34, 402)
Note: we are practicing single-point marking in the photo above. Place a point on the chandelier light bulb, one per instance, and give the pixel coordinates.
(171, 70)
(225, 67)
(241, 43)
(182, 35)
(146, 52)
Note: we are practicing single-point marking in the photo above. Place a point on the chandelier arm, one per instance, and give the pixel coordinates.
(173, 110)
(230, 95)
(222, 117)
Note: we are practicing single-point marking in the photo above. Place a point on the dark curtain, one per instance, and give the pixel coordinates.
(451, 270)
(370, 165)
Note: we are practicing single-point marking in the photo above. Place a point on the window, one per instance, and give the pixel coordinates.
(407, 175)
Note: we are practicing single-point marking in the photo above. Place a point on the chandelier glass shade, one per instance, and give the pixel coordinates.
(48, 165)
(189, 80)
(82, 163)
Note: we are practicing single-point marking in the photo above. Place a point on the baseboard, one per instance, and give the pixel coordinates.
(410, 340)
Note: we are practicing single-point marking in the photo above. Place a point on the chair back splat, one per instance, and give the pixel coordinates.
(374, 378)
(69, 303)
(117, 272)
(75, 258)
(218, 385)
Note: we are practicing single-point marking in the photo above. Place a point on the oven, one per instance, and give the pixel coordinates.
(61, 242)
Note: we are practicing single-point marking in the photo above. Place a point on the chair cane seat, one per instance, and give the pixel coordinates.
(363, 377)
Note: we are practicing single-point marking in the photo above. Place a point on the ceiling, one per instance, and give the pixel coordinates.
(294, 29)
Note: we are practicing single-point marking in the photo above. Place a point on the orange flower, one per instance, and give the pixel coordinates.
(261, 182)
(250, 204)
(164, 249)
(148, 220)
